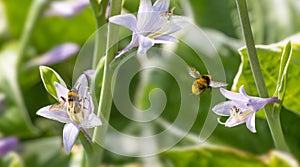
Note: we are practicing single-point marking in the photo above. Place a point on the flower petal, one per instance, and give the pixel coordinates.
(250, 122)
(60, 116)
(145, 43)
(133, 43)
(70, 134)
(66, 8)
(61, 91)
(231, 122)
(126, 20)
(233, 96)
(91, 121)
(257, 103)
(90, 73)
(145, 6)
(165, 39)
(161, 5)
(56, 55)
(7, 145)
(223, 108)
(82, 86)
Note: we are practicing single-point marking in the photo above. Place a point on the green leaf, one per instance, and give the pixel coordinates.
(283, 70)
(269, 59)
(49, 76)
(223, 156)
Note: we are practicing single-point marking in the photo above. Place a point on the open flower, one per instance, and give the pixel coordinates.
(8, 144)
(66, 8)
(75, 108)
(241, 108)
(153, 25)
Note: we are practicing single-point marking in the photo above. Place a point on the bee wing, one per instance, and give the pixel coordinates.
(193, 72)
(215, 84)
(57, 106)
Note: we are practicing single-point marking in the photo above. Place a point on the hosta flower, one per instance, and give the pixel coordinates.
(55, 55)
(75, 108)
(153, 25)
(241, 108)
(8, 144)
(66, 8)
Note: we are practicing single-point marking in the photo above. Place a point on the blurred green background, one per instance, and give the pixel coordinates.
(40, 139)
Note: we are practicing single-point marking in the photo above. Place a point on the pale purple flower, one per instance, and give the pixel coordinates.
(55, 55)
(152, 25)
(241, 108)
(8, 144)
(79, 117)
(66, 8)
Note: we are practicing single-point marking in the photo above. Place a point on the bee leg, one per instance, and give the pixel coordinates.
(63, 98)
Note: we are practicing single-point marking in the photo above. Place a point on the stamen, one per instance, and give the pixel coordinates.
(220, 122)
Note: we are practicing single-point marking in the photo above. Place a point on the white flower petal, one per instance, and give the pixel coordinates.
(91, 121)
(60, 116)
(126, 20)
(223, 108)
(133, 43)
(82, 85)
(231, 122)
(250, 123)
(161, 5)
(145, 43)
(233, 95)
(165, 39)
(61, 91)
(145, 6)
(148, 22)
(70, 134)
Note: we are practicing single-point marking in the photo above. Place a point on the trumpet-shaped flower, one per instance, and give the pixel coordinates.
(66, 8)
(241, 108)
(55, 55)
(75, 108)
(153, 25)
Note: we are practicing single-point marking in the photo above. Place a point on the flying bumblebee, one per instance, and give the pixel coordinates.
(203, 82)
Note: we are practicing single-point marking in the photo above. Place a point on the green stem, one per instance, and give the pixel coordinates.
(99, 9)
(272, 117)
(33, 15)
(105, 102)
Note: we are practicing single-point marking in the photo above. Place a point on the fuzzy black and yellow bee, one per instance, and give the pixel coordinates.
(203, 82)
(73, 103)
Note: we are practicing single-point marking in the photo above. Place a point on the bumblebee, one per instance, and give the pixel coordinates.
(203, 82)
(74, 105)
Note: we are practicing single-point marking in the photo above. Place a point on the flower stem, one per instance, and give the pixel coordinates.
(105, 102)
(272, 117)
(99, 9)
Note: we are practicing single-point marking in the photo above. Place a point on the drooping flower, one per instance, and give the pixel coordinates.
(75, 108)
(153, 25)
(66, 8)
(8, 144)
(241, 108)
(55, 55)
